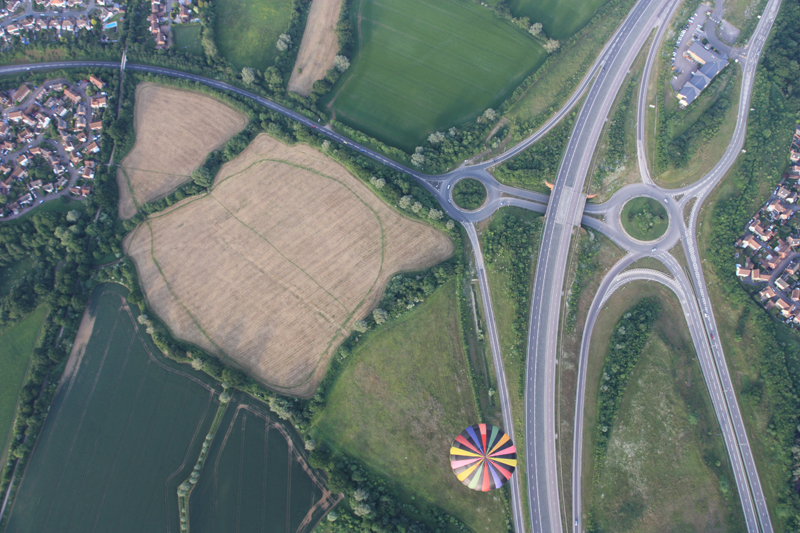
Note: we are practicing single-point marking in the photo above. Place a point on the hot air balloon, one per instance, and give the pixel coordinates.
(483, 457)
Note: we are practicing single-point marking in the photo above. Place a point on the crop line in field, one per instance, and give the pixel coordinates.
(456, 58)
(100, 431)
(172, 292)
(458, 35)
(149, 429)
(460, 58)
(263, 238)
(83, 415)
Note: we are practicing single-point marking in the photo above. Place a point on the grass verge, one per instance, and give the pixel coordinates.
(665, 466)
(399, 402)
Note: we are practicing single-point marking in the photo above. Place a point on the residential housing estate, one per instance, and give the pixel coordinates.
(771, 245)
(49, 141)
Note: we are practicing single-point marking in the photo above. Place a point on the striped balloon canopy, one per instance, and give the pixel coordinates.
(483, 457)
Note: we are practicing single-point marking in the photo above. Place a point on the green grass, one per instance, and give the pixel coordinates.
(559, 79)
(400, 402)
(62, 205)
(710, 144)
(666, 467)
(469, 194)
(248, 481)
(560, 18)
(12, 273)
(121, 434)
(187, 38)
(16, 346)
(427, 65)
(644, 219)
(246, 30)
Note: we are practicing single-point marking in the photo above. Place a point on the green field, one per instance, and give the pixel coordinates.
(560, 18)
(16, 346)
(400, 402)
(123, 431)
(12, 273)
(666, 467)
(187, 38)
(254, 478)
(644, 219)
(246, 30)
(427, 65)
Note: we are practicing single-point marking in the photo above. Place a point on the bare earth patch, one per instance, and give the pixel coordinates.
(273, 267)
(175, 131)
(318, 48)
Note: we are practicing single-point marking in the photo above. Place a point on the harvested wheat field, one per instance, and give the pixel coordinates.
(318, 48)
(175, 130)
(273, 267)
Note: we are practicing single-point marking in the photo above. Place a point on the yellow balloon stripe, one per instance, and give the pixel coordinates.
(465, 474)
(459, 451)
(503, 440)
(509, 462)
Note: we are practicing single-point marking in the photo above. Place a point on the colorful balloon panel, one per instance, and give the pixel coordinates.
(483, 457)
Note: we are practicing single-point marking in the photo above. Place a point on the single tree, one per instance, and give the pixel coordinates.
(248, 75)
(535, 29)
(380, 316)
(341, 63)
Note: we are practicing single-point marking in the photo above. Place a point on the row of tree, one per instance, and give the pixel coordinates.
(511, 244)
(627, 342)
(588, 259)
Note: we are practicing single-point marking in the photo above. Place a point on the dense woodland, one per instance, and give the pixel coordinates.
(776, 110)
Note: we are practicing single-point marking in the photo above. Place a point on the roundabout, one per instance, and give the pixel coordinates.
(644, 219)
(469, 194)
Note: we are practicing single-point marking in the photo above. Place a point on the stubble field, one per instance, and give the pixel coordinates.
(320, 45)
(276, 263)
(175, 131)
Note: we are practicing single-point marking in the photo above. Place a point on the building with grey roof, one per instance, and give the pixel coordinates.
(711, 65)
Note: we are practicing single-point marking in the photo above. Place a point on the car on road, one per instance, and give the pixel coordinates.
(654, 249)
(666, 200)
(448, 187)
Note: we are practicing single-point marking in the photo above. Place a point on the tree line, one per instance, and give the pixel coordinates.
(628, 339)
(511, 244)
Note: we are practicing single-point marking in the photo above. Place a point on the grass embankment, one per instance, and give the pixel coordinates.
(428, 65)
(16, 346)
(661, 464)
(538, 165)
(469, 194)
(688, 142)
(744, 15)
(187, 38)
(246, 30)
(560, 18)
(510, 244)
(644, 219)
(592, 255)
(559, 78)
(400, 401)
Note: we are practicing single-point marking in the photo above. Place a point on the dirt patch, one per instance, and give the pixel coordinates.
(79, 346)
(175, 131)
(318, 48)
(272, 268)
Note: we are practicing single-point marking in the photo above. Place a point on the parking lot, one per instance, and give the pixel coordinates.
(692, 31)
